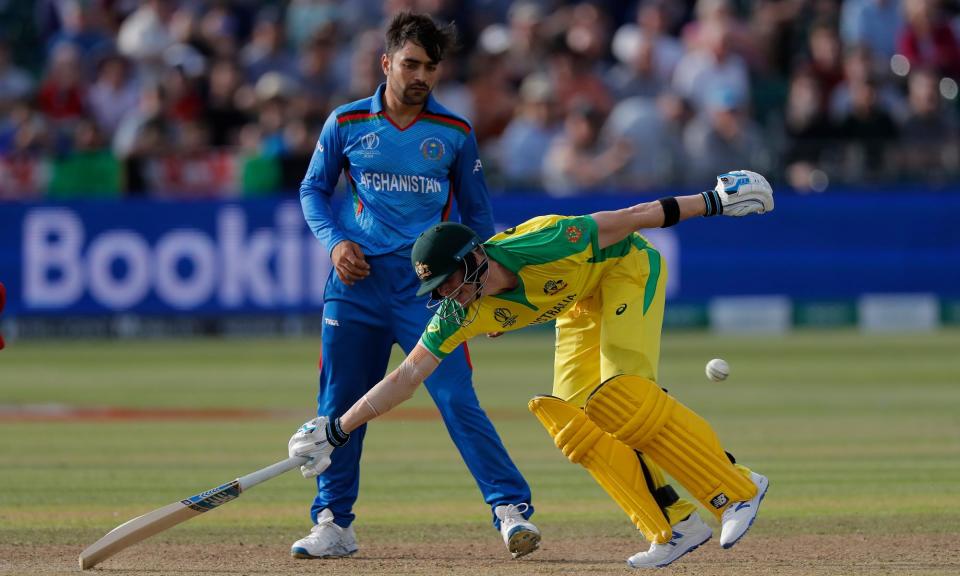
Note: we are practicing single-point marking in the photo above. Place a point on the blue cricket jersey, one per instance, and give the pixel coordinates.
(401, 180)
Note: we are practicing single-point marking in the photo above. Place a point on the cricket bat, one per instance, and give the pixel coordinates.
(142, 527)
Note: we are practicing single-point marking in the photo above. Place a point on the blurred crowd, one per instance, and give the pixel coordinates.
(201, 96)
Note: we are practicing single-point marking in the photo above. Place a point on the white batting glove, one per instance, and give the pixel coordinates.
(311, 440)
(739, 193)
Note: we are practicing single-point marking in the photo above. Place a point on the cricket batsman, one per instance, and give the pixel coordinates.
(604, 285)
(406, 160)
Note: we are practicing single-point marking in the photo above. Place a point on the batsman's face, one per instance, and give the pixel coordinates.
(454, 288)
(411, 75)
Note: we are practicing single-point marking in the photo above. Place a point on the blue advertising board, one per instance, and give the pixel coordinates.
(251, 256)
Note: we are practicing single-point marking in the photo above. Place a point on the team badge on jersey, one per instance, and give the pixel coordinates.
(553, 286)
(505, 317)
(574, 233)
(432, 149)
(423, 270)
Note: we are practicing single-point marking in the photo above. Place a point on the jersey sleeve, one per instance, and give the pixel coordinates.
(470, 189)
(443, 335)
(320, 183)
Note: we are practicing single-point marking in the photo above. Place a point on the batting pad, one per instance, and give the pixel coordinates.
(641, 415)
(612, 464)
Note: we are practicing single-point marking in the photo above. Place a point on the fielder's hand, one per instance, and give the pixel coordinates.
(349, 262)
(739, 193)
(311, 440)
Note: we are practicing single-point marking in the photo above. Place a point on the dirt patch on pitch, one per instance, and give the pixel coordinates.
(806, 555)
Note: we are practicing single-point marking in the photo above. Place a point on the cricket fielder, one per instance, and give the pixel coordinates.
(603, 283)
(406, 159)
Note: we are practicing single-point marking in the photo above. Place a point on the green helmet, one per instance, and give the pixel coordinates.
(439, 252)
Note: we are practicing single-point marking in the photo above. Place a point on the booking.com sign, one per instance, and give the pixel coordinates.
(169, 257)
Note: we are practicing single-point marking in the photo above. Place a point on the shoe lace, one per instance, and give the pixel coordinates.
(514, 512)
(322, 523)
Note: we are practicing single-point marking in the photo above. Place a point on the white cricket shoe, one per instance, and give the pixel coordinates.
(739, 516)
(325, 540)
(688, 535)
(519, 534)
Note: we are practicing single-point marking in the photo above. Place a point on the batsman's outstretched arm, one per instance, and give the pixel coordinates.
(396, 388)
(737, 193)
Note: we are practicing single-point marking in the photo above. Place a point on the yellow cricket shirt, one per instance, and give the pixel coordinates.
(557, 260)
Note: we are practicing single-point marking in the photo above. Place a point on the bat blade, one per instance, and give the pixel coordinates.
(142, 527)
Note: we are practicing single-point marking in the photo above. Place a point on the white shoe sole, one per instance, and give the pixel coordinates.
(679, 556)
(523, 542)
(302, 554)
(756, 510)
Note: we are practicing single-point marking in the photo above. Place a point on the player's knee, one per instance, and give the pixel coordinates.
(631, 408)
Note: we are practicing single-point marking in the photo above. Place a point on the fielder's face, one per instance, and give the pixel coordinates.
(411, 75)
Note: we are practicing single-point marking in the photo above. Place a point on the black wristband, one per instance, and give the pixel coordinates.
(712, 201)
(335, 434)
(671, 211)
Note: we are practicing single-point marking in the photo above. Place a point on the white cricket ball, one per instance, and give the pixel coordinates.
(717, 369)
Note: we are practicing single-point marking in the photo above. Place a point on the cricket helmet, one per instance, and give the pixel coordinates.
(439, 252)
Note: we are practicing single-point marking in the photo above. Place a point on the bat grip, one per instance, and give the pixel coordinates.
(271, 471)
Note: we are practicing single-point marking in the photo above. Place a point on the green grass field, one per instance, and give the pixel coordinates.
(860, 436)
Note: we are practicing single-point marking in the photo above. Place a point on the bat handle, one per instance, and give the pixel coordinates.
(271, 471)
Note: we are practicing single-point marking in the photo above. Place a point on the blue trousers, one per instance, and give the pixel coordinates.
(360, 325)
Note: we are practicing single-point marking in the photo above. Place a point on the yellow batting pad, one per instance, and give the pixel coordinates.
(612, 464)
(641, 415)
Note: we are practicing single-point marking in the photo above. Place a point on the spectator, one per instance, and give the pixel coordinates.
(652, 129)
(266, 50)
(219, 31)
(808, 130)
(858, 67)
(712, 69)
(222, 107)
(493, 98)
(365, 65)
(62, 95)
(574, 81)
(76, 29)
(826, 60)
(113, 94)
(319, 79)
(698, 37)
(305, 18)
(528, 137)
(868, 130)
(525, 47)
(15, 83)
(929, 136)
(723, 135)
(647, 62)
(144, 35)
(144, 129)
(927, 39)
(577, 161)
(24, 131)
(874, 24)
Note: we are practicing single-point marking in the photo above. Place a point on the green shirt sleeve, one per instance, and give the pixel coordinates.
(444, 333)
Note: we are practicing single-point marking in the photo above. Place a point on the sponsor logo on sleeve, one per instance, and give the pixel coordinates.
(574, 233)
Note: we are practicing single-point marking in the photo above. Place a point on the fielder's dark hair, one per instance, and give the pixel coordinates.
(420, 29)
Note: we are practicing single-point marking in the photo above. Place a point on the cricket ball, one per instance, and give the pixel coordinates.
(717, 369)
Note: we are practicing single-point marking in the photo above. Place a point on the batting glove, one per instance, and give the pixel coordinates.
(739, 193)
(311, 440)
